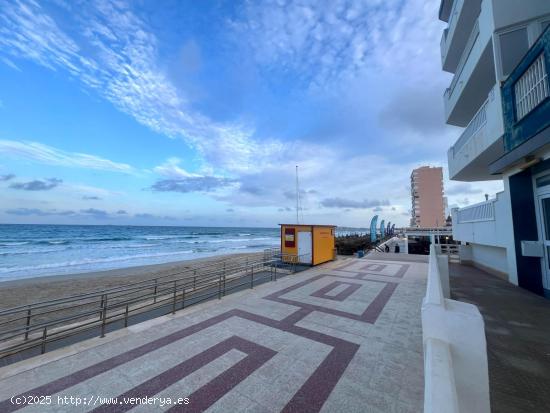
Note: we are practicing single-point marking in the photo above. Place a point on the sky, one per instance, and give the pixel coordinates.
(197, 112)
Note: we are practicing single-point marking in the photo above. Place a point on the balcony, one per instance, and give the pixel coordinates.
(480, 144)
(526, 106)
(526, 95)
(455, 37)
(475, 72)
(484, 223)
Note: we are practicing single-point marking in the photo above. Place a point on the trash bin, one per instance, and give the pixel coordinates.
(360, 254)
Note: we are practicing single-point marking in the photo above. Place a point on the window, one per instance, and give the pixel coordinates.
(513, 46)
(543, 181)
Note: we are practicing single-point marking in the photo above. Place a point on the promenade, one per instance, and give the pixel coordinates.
(342, 337)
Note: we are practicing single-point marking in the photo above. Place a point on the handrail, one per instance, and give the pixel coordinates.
(37, 324)
(135, 284)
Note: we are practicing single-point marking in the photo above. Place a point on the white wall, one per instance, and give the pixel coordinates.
(456, 375)
(490, 257)
(497, 234)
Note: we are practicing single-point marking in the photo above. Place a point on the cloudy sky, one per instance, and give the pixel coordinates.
(196, 112)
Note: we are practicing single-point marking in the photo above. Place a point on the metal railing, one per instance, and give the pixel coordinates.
(428, 231)
(484, 211)
(531, 88)
(35, 325)
(478, 121)
(447, 249)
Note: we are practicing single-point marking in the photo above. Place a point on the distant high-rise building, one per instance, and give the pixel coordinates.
(428, 204)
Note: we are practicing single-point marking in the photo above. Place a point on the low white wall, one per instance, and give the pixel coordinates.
(455, 351)
(492, 258)
(491, 241)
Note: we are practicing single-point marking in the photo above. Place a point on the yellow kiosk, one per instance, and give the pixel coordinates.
(308, 244)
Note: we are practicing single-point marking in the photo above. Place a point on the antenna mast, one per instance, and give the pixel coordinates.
(297, 197)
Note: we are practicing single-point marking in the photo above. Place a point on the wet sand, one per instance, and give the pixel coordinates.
(29, 290)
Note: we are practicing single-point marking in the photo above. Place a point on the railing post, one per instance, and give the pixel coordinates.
(183, 298)
(194, 279)
(224, 285)
(126, 316)
(103, 314)
(28, 323)
(252, 276)
(220, 288)
(155, 294)
(101, 306)
(174, 301)
(44, 336)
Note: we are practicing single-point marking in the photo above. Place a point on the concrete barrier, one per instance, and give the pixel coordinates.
(456, 375)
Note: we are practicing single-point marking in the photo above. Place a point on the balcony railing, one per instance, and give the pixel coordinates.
(449, 31)
(484, 211)
(463, 59)
(477, 122)
(531, 88)
(526, 97)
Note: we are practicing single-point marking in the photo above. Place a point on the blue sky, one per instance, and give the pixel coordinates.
(196, 112)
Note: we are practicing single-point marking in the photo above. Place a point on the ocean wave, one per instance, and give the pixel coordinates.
(28, 252)
(217, 241)
(13, 243)
(99, 239)
(86, 261)
(159, 237)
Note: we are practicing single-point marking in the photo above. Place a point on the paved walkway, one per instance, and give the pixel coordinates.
(517, 327)
(342, 337)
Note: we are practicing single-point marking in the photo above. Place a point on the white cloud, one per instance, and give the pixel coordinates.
(324, 42)
(38, 152)
(330, 46)
(172, 169)
(121, 65)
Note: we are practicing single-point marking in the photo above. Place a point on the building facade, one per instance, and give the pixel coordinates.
(499, 53)
(428, 203)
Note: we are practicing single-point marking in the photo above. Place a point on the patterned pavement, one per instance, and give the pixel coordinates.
(342, 337)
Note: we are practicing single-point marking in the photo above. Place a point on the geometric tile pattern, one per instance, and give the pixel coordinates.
(267, 349)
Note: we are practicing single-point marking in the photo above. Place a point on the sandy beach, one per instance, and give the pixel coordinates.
(29, 290)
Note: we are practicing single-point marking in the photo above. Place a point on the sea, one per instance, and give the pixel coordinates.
(40, 250)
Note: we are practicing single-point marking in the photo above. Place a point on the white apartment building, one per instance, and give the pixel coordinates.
(499, 53)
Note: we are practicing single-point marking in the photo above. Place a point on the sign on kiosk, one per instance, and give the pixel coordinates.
(290, 237)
